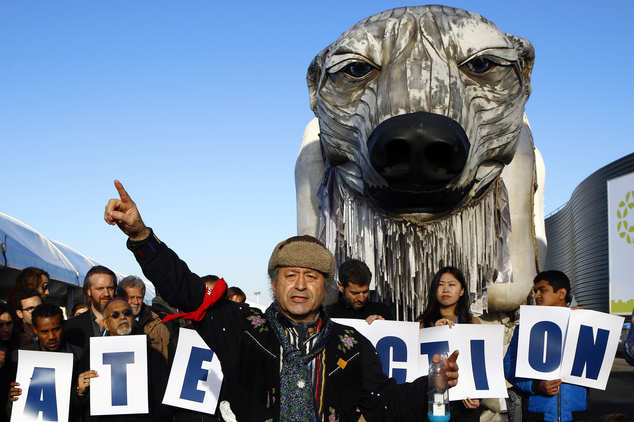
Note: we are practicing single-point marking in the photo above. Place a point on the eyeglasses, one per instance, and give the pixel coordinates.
(29, 309)
(116, 314)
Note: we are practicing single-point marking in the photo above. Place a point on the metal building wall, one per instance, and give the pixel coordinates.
(577, 237)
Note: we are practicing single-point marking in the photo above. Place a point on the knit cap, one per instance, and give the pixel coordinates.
(303, 251)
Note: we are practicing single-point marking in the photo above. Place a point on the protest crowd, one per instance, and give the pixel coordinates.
(290, 362)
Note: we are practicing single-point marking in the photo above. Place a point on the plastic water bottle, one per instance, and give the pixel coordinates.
(438, 393)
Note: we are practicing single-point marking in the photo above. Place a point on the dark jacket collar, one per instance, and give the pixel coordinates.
(342, 302)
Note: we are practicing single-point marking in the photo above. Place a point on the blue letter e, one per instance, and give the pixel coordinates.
(195, 373)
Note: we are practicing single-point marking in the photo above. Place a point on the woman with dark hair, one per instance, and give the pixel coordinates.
(448, 304)
(448, 300)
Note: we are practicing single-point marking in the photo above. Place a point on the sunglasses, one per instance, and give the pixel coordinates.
(116, 314)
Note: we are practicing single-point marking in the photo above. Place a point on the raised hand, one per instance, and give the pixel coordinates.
(124, 213)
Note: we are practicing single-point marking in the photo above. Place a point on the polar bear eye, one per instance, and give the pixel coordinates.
(479, 65)
(357, 69)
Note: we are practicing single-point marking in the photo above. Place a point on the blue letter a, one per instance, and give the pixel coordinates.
(41, 396)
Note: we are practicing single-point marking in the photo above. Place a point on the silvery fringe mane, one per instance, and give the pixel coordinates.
(404, 255)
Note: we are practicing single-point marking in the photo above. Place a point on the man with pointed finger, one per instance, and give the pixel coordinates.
(291, 362)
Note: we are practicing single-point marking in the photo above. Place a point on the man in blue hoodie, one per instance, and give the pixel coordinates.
(547, 400)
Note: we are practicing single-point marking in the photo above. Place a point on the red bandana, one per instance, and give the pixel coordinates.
(211, 297)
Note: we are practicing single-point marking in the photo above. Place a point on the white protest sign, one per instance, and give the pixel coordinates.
(396, 342)
(481, 361)
(590, 348)
(196, 375)
(540, 343)
(45, 379)
(122, 385)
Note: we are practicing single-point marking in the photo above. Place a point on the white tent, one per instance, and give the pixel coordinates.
(22, 247)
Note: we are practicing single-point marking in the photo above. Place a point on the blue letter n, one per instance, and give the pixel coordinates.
(589, 353)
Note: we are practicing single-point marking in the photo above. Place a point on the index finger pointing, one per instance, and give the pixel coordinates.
(122, 192)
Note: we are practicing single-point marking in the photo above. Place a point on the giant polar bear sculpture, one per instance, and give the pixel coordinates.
(422, 156)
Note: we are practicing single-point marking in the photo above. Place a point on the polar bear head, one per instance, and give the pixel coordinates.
(420, 108)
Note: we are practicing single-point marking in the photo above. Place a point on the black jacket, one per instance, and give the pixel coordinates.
(249, 352)
(341, 309)
(79, 329)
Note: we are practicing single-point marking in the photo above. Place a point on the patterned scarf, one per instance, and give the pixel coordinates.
(296, 388)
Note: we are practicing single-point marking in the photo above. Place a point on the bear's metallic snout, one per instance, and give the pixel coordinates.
(418, 155)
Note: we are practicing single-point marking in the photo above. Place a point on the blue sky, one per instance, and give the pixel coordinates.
(199, 107)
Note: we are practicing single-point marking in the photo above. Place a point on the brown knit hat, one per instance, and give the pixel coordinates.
(303, 251)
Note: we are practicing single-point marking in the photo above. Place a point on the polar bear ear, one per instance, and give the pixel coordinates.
(313, 77)
(526, 53)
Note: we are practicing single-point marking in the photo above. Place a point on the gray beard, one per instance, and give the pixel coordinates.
(124, 331)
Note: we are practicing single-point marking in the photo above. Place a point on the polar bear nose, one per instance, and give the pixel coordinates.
(418, 151)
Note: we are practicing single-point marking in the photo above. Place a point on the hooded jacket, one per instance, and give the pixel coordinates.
(570, 404)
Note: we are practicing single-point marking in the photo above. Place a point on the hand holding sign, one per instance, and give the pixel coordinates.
(83, 383)
(549, 388)
(15, 392)
(471, 403)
